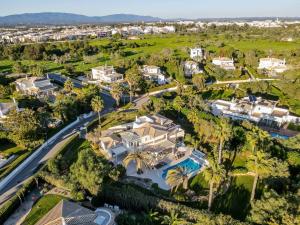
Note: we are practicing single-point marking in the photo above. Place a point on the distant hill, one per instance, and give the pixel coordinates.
(69, 18)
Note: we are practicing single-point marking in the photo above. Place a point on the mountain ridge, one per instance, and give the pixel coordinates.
(51, 18)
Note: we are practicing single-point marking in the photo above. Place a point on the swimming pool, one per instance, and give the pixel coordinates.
(191, 165)
(276, 135)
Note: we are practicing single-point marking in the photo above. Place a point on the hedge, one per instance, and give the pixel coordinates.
(131, 198)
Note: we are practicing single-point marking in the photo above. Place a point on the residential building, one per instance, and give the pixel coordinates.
(224, 62)
(70, 213)
(106, 74)
(254, 109)
(154, 73)
(155, 134)
(272, 64)
(39, 86)
(190, 68)
(196, 53)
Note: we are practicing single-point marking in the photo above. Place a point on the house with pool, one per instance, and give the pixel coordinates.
(160, 138)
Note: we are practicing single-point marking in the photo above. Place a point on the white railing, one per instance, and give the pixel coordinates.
(27, 161)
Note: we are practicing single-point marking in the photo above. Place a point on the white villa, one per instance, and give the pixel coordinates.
(35, 86)
(191, 68)
(272, 64)
(224, 62)
(154, 73)
(253, 109)
(153, 133)
(106, 74)
(196, 53)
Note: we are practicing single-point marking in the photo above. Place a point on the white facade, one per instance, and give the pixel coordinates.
(154, 73)
(35, 86)
(153, 133)
(196, 53)
(257, 111)
(106, 74)
(277, 65)
(190, 68)
(224, 62)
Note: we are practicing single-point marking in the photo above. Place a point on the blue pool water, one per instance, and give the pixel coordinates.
(189, 163)
(276, 135)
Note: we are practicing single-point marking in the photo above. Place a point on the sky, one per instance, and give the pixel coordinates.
(160, 8)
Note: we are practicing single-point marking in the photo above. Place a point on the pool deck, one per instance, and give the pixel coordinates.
(155, 174)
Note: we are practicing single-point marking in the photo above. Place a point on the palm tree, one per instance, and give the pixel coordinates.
(262, 165)
(223, 131)
(68, 86)
(141, 159)
(133, 78)
(176, 177)
(97, 106)
(172, 219)
(116, 92)
(214, 174)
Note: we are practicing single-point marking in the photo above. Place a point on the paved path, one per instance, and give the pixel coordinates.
(20, 214)
(244, 81)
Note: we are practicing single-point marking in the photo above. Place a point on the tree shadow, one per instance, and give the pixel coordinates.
(234, 202)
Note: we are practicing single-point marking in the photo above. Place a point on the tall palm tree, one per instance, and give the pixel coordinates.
(116, 92)
(133, 78)
(176, 177)
(223, 131)
(262, 165)
(97, 106)
(139, 157)
(214, 174)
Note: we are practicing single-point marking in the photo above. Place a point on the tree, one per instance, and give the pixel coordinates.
(133, 77)
(37, 70)
(89, 170)
(97, 106)
(141, 159)
(172, 219)
(176, 177)
(214, 173)
(116, 92)
(262, 165)
(275, 209)
(198, 82)
(223, 131)
(24, 128)
(68, 86)
(19, 68)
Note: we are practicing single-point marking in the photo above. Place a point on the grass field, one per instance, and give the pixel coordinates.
(41, 207)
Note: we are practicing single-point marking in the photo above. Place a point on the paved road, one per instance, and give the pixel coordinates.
(48, 152)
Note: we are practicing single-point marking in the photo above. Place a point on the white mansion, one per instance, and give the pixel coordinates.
(155, 134)
(106, 74)
(272, 64)
(191, 68)
(253, 109)
(39, 86)
(224, 62)
(153, 73)
(196, 53)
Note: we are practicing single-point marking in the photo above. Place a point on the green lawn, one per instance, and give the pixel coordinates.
(41, 207)
(236, 200)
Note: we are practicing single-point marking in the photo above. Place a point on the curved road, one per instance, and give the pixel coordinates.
(49, 151)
